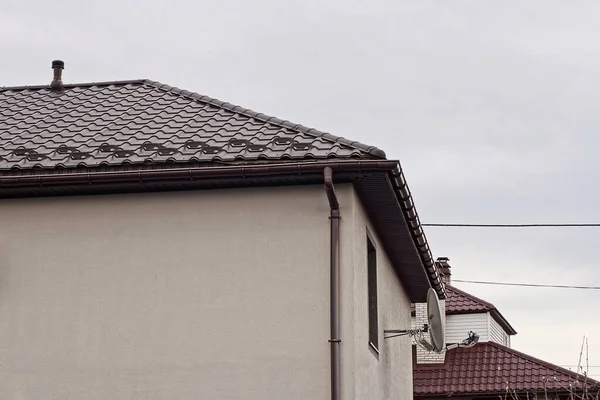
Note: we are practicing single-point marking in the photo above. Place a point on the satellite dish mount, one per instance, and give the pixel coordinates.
(404, 332)
(434, 327)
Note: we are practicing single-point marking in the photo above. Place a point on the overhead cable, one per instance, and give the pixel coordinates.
(529, 284)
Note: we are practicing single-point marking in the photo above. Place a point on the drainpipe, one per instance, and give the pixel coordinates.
(334, 263)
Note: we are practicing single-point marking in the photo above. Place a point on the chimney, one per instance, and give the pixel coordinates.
(444, 268)
(57, 84)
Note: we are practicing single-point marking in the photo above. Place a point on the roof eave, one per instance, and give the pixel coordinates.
(499, 318)
(74, 183)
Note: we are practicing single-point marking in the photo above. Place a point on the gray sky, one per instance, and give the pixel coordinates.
(490, 106)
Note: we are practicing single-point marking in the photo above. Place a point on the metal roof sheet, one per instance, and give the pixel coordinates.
(137, 122)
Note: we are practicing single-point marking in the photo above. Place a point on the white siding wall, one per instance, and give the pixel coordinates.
(458, 326)
(498, 334)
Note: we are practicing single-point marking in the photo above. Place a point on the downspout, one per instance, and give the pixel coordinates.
(334, 264)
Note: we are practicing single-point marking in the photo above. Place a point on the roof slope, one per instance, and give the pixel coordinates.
(137, 122)
(459, 302)
(492, 368)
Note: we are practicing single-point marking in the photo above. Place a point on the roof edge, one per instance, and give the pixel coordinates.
(492, 309)
(416, 229)
(547, 364)
(470, 296)
(503, 322)
(190, 173)
(372, 150)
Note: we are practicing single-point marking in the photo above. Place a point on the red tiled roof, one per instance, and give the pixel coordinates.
(492, 368)
(459, 302)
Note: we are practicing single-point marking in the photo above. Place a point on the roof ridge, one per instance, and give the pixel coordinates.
(74, 85)
(372, 150)
(541, 362)
(471, 297)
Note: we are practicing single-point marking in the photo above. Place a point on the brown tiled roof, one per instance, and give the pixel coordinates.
(136, 122)
(488, 368)
(459, 302)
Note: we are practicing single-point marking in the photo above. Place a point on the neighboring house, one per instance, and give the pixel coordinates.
(490, 368)
(157, 243)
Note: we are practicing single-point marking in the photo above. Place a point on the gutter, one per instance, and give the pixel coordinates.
(229, 171)
(334, 265)
(395, 174)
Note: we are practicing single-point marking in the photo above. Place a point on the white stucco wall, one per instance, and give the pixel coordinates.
(214, 294)
(211, 294)
(366, 374)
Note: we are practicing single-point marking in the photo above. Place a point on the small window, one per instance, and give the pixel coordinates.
(372, 292)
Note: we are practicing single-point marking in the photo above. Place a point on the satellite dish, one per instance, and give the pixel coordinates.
(434, 327)
(434, 316)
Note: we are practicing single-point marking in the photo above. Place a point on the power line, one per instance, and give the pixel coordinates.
(512, 225)
(529, 285)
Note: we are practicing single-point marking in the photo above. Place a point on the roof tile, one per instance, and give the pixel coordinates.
(492, 368)
(458, 302)
(128, 114)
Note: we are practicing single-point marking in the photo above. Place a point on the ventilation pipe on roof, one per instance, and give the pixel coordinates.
(334, 304)
(57, 85)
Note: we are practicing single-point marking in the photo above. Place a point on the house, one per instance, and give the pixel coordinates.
(157, 243)
(490, 368)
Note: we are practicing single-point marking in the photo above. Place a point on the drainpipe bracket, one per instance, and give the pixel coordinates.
(335, 340)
